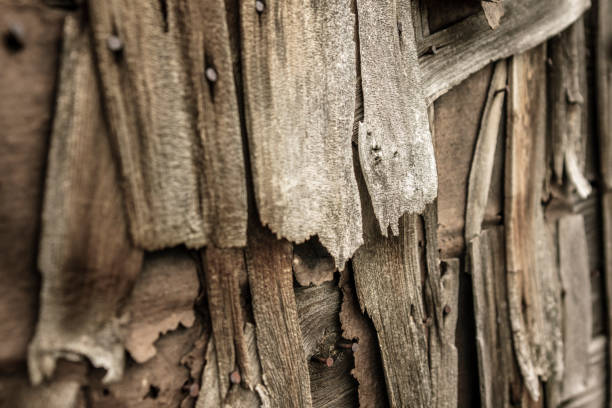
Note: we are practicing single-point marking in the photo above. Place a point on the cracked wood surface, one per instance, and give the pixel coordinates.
(86, 259)
(298, 65)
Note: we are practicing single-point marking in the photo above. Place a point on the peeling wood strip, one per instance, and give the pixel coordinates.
(85, 249)
(368, 369)
(493, 12)
(484, 153)
(395, 145)
(441, 298)
(449, 56)
(300, 129)
(574, 266)
(568, 106)
(279, 338)
(486, 264)
(388, 284)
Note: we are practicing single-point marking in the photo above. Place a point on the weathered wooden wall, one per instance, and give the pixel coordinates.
(291, 204)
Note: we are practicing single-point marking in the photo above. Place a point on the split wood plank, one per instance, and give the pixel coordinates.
(568, 106)
(27, 92)
(441, 300)
(86, 259)
(577, 309)
(279, 338)
(176, 129)
(533, 282)
(493, 12)
(395, 146)
(298, 65)
(449, 56)
(481, 170)
(388, 285)
(356, 327)
(496, 364)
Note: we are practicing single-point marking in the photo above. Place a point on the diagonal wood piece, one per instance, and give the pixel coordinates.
(395, 146)
(298, 65)
(86, 259)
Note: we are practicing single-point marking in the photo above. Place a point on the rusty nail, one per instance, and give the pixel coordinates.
(447, 309)
(259, 6)
(352, 345)
(327, 361)
(194, 390)
(355, 347)
(114, 43)
(211, 74)
(235, 377)
(14, 37)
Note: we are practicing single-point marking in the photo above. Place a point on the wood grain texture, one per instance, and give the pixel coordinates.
(497, 369)
(449, 56)
(395, 145)
(27, 87)
(279, 338)
(441, 302)
(87, 262)
(533, 283)
(568, 107)
(177, 138)
(481, 170)
(312, 264)
(389, 288)
(603, 72)
(493, 11)
(356, 327)
(594, 394)
(574, 266)
(298, 64)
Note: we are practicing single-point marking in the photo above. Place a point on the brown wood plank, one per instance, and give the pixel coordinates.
(395, 145)
(279, 338)
(298, 65)
(87, 262)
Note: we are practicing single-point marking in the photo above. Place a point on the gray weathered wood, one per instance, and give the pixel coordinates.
(86, 259)
(395, 147)
(574, 266)
(177, 137)
(493, 11)
(298, 64)
(595, 393)
(449, 56)
(482, 162)
(279, 338)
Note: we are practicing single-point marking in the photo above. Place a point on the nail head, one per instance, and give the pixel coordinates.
(194, 390)
(211, 74)
(114, 43)
(447, 309)
(259, 6)
(235, 377)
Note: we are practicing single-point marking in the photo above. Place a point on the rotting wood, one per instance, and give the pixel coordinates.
(172, 155)
(395, 147)
(86, 259)
(222, 271)
(493, 12)
(367, 362)
(441, 300)
(449, 56)
(312, 265)
(532, 278)
(27, 91)
(279, 338)
(484, 154)
(568, 106)
(388, 285)
(574, 266)
(300, 130)
(150, 319)
(486, 264)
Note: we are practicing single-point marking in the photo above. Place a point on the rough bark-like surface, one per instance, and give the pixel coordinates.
(395, 146)
(27, 85)
(533, 282)
(481, 170)
(574, 266)
(496, 364)
(441, 296)
(148, 317)
(179, 163)
(298, 62)
(388, 284)
(449, 56)
(279, 338)
(568, 106)
(356, 327)
(86, 259)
